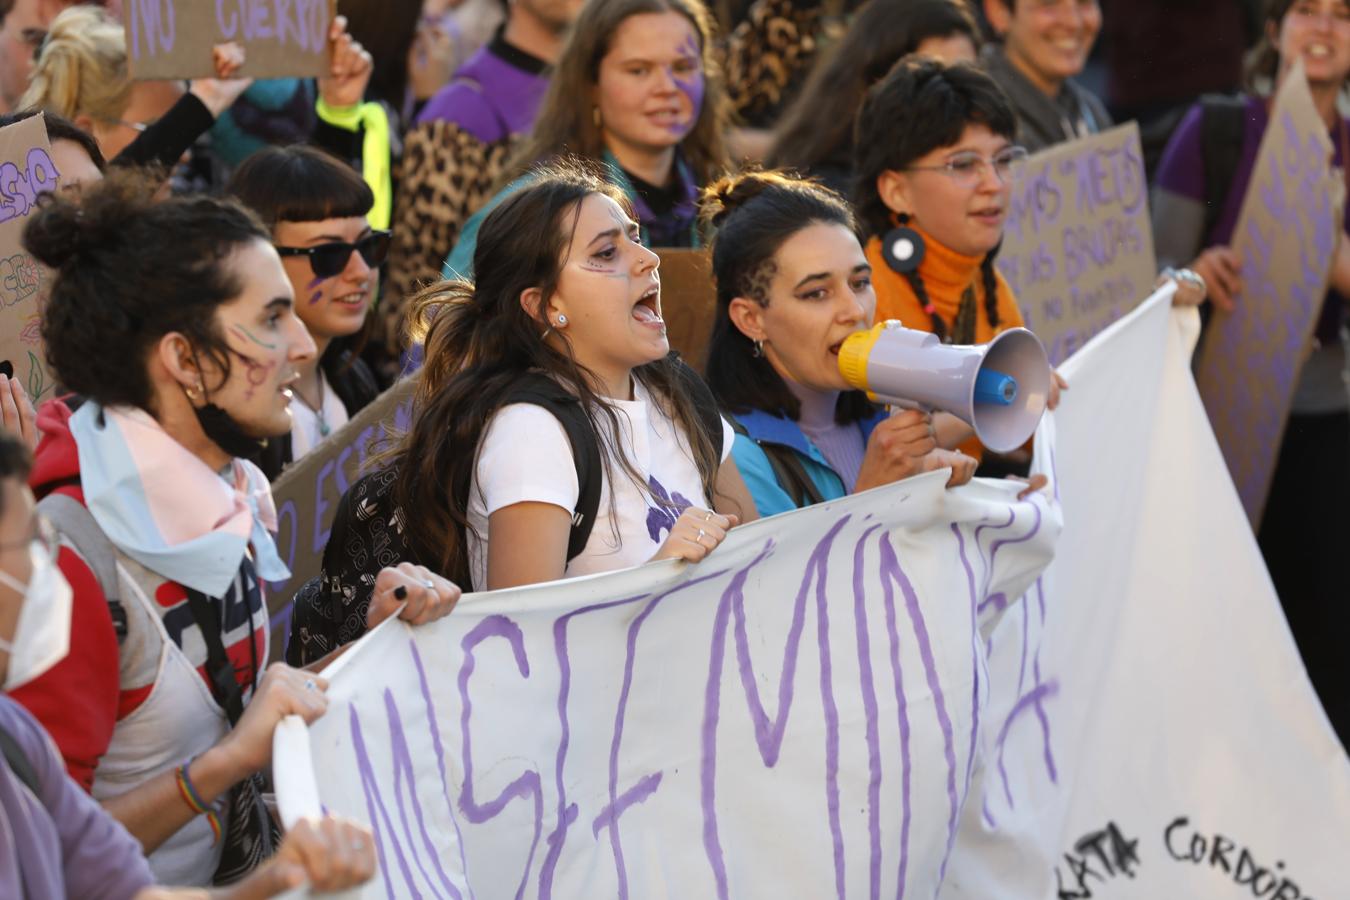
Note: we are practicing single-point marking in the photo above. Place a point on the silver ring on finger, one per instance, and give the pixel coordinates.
(429, 584)
(701, 534)
(708, 517)
(310, 685)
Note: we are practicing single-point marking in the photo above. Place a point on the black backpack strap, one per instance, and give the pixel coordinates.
(19, 763)
(224, 686)
(705, 404)
(544, 391)
(787, 468)
(1222, 122)
(74, 521)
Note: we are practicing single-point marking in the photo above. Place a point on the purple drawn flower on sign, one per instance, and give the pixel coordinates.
(662, 518)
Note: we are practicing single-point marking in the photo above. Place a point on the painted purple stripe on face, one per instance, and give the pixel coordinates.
(869, 698)
(890, 567)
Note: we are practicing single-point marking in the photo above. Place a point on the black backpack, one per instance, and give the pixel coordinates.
(370, 531)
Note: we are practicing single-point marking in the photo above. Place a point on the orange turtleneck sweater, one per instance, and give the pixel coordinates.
(946, 275)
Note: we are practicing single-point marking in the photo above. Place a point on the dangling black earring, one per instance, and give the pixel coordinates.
(902, 246)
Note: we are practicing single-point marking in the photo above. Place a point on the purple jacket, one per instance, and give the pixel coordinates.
(495, 93)
(59, 843)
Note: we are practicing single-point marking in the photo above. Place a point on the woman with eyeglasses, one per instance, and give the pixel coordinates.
(935, 163)
(316, 209)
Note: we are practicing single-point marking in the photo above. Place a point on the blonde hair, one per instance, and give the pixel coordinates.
(82, 69)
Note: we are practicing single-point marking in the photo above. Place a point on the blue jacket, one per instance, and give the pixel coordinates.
(770, 496)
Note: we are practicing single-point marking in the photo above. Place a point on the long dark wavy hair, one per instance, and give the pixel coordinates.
(883, 32)
(754, 214)
(920, 106)
(480, 341)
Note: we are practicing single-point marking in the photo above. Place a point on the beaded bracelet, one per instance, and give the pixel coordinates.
(194, 801)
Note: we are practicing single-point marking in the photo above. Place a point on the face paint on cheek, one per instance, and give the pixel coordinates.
(256, 373)
(318, 294)
(247, 335)
(691, 85)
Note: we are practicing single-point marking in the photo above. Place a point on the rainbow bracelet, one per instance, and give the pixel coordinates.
(194, 801)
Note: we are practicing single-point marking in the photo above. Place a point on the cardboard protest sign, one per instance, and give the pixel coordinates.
(281, 38)
(26, 170)
(688, 302)
(1250, 360)
(307, 494)
(1078, 245)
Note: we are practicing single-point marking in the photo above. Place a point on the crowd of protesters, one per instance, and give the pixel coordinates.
(473, 191)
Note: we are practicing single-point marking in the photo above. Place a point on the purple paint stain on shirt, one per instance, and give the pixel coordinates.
(528, 785)
(890, 567)
(662, 518)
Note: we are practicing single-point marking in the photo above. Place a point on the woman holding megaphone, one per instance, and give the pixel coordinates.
(792, 286)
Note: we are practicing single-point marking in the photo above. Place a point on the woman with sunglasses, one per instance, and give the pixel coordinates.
(316, 209)
(935, 162)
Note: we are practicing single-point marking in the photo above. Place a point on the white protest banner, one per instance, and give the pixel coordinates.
(794, 717)
(1286, 233)
(1151, 732)
(26, 171)
(1078, 246)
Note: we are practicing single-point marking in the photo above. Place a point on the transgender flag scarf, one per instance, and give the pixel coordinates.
(161, 505)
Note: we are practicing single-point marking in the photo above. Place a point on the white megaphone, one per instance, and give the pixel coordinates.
(1000, 389)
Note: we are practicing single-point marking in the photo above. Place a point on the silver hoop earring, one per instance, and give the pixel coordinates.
(562, 321)
(758, 350)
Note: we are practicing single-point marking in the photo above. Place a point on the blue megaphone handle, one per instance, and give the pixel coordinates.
(995, 387)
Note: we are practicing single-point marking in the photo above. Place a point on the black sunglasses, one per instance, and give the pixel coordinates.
(328, 260)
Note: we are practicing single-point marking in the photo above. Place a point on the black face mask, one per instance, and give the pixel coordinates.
(221, 427)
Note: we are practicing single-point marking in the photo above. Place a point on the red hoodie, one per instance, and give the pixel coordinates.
(76, 700)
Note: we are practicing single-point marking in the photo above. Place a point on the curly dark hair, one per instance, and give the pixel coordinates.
(130, 270)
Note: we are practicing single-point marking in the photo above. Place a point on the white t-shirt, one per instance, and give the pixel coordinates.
(305, 431)
(525, 457)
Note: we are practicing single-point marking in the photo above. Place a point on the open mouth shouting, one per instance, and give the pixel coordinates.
(647, 310)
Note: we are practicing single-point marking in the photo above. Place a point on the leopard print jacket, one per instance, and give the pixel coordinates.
(445, 176)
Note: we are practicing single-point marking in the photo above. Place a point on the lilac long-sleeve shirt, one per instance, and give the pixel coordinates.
(60, 843)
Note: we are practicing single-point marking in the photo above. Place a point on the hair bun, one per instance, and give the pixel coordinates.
(66, 228)
(731, 192)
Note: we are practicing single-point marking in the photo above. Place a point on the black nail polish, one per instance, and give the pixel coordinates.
(400, 593)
